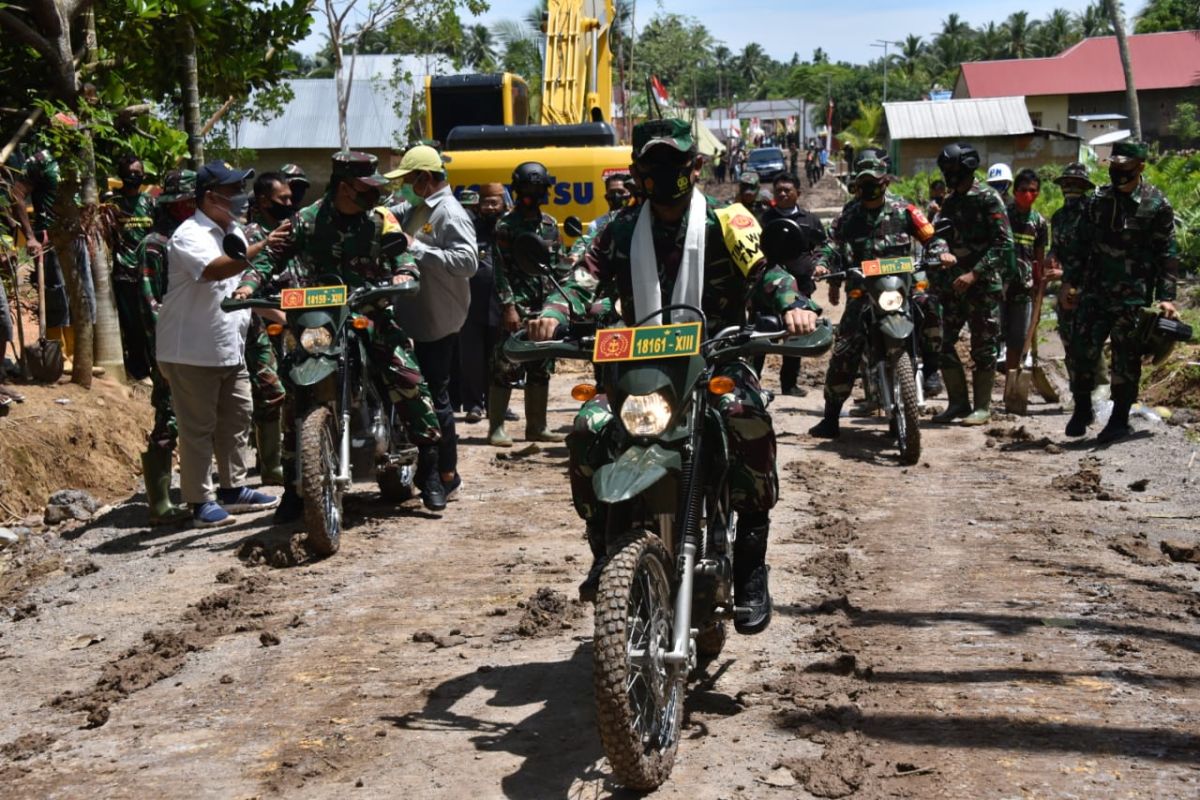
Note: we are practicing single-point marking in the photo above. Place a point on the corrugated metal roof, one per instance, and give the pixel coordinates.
(310, 120)
(949, 119)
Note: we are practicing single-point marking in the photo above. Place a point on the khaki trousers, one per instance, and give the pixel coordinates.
(213, 407)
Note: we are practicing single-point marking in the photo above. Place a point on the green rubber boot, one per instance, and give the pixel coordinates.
(156, 470)
(983, 380)
(955, 381)
(537, 396)
(497, 404)
(269, 436)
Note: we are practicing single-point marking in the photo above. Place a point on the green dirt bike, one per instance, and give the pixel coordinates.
(347, 428)
(666, 591)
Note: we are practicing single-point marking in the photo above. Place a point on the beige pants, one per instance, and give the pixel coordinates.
(212, 411)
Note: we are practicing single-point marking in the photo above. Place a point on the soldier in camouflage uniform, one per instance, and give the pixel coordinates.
(176, 203)
(1125, 259)
(876, 225)
(1031, 240)
(341, 235)
(271, 208)
(136, 218)
(1076, 187)
(666, 165)
(36, 183)
(968, 284)
(521, 295)
(298, 182)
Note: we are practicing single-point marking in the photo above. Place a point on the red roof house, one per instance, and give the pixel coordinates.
(1087, 79)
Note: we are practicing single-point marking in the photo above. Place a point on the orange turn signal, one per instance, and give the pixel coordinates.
(854, 294)
(721, 385)
(360, 323)
(274, 329)
(583, 392)
(922, 285)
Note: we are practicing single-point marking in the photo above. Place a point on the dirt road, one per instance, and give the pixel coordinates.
(998, 621)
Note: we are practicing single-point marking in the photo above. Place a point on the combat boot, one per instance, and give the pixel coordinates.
(1123, 395)
(156, 471)
(269, 437)
(956, 391)
(497, 405)
(983, 380)
(751, 594)
(1082, 416)
(428, 479)
(830, 426)
(537, 397)
(591, 584)
(931, 382)
(291, 504)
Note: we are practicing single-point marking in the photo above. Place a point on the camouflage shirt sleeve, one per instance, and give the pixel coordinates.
(1166, 252)
(1001, 255)
(500, 247)
(583, 285)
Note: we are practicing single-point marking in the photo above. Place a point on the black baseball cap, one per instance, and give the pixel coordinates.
(220, 173)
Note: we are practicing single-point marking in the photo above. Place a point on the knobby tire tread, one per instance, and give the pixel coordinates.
(321, 540)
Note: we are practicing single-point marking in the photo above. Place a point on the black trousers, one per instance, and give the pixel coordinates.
(436, 360)
(475, 344)
(789, 371)
(133, 328)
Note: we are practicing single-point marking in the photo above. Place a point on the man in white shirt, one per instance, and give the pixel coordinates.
(200, 349)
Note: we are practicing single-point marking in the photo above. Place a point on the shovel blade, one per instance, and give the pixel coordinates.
(1016, 391)
(1044, 386)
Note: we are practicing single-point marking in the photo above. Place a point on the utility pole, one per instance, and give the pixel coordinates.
(885, 44)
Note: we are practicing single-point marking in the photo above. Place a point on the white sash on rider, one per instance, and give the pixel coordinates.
(689, 287)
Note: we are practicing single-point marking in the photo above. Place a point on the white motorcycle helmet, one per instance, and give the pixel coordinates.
(1000, 177)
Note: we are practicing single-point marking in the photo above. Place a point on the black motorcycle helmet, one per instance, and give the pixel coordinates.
(958, 160)
(530, 182)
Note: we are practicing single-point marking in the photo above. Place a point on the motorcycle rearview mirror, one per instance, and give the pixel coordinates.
(943, 228)
(782, 241)
(393, 244)
(573, 227)
(234, 246)
(532, 254)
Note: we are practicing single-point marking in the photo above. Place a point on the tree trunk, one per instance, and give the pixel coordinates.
(1131, 98)
(189, 82)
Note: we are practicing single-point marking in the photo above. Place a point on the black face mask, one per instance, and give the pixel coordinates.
(666, 183)
(281, 211)
(132, 183)
(870, 191)
(485, 223)
(1120, 177)
(298, 195)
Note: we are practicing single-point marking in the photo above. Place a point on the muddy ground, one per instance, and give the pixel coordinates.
(1005, 619)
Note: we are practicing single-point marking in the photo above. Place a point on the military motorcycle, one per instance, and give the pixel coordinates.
(666, 591)
(347, 428)
(891, 322)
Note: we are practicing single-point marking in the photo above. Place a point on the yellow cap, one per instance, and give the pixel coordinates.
(422, 157)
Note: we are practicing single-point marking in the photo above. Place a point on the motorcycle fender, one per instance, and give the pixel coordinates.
(635, 470)
(313, 370)
(896, 327)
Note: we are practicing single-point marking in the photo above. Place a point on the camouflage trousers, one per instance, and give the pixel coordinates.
(851, 343)
(1094, 322)
(265, 385)
(1066, 321)
(980, 313)
(507, 373)
(754, 481)
(164, 433)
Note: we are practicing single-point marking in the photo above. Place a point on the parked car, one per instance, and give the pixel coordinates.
(768, 162)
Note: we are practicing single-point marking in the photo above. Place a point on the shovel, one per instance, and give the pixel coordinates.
(19, 345)
(1018, 382)
(44, 358)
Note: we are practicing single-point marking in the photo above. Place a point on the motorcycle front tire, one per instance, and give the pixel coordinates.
(318, 481)
(907, 419)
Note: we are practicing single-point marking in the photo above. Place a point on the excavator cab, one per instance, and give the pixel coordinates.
(453, 101)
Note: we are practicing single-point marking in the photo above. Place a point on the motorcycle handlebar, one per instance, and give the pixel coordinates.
(357, 299)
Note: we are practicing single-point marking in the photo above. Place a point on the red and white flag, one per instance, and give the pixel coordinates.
(660, 91)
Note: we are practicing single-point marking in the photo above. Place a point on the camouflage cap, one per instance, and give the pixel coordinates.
(674, 133)
(468, 197)
(1075, 172)
(295, 174)
(363, 166)
(1131, 148)
(749, 179)
(178, 184)
(870, 165)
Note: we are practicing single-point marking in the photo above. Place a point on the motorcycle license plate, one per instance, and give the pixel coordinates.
(886, 266)
(652, 341)
(312, 297)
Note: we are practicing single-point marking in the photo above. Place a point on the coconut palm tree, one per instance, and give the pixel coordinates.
(864, 131)
(991, 42)
(752, 64)
(1055, 34)
(478, 48)
(912, 52)
(1094, 21)
(1020, 30)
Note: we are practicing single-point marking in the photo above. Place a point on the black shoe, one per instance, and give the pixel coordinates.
(511, 416)
(591, 584)
(452, 487)
(931, 385)
(796, 391)
(428, 480)
(474, 414)
(1077, 425)
(290, 508)
(1114, 430)
(828, 428)
(753, 599)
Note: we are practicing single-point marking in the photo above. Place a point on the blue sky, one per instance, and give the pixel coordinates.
(782, 27)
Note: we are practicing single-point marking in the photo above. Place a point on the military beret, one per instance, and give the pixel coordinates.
(1131, 148)
(352, 164)
(675, 133)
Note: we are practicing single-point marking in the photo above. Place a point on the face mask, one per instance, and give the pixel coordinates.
(410, 194)
(616, 201)
(1121, 177)
(1072, 197)
(1001, 186)
(132, 183)
(238, 204)
(281, 211)
(1025, 198)
(297, 195)
(485, 223)
(870, 191)
(366, 200)
(666, 183)
(529, 198)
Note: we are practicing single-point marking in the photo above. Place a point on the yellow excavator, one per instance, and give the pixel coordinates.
(482, 121)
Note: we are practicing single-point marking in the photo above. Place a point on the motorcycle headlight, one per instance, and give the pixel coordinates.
(891, 300)
(316, 340)
(646, 414)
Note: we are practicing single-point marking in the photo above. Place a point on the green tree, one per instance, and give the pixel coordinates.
(1055, 34)
(1019, 30)
(1168, 15)
(1186, 123)
(866, 129)
(678, 49)
(1094, 21)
